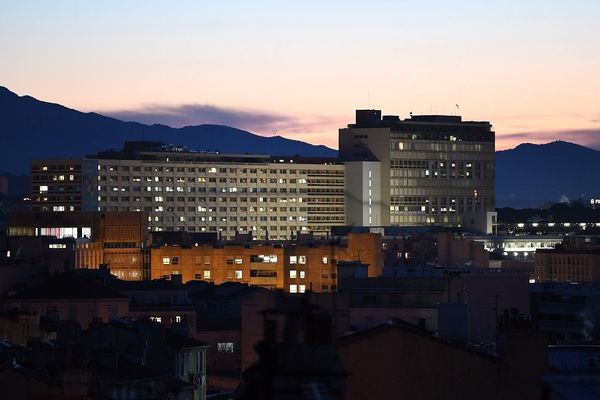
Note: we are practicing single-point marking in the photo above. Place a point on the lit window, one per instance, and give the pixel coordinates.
(57, 246)
(302, 274)
(301, 288)
(166, 260)
(43, 189)
(238, 260)
(238, 274)
(324, 260)
(206, 274)
(302, 259)
(293, 288)
(293, 260)
(226, 347)
(293, 274)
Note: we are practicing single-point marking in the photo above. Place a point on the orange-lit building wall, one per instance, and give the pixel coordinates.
(555, 266)
(291, 267)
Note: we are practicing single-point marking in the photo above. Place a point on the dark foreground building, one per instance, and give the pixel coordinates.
(402, 361)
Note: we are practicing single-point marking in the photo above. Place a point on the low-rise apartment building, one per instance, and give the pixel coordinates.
(577, 259)
(296, 267)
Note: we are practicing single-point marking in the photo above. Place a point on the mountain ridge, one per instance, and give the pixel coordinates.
(526, 176)
(41, 129)
(532, 174)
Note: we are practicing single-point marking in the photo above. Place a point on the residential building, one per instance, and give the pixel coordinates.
(57, 185)
(400, 360)
(576, 259)
(115, 239)
(133, 361)
(459, 251)
(478, 297)
(297, 358)
(574, 372)
(219, 324)
(46, 253)
(18, 327)
(375, 301)
(70, 296)
(161, 300)
(423, 170)
(152, 345)
(566, 312)
(296, 267)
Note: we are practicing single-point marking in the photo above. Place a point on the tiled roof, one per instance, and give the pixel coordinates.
(68, 285)
(182, 342)
(153, 285)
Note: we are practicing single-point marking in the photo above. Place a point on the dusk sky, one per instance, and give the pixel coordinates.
(300, 69)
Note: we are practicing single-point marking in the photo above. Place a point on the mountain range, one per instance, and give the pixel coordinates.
(532, 174)
(36, 129)
(526, 176)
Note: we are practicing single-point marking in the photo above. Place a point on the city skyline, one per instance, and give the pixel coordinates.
(300, 71)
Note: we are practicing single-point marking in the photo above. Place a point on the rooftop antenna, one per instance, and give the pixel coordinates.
(457, 109)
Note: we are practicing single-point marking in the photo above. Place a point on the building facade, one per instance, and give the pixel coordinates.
(116, 239)
(424, 170)
(576, 259)
(295, 267)
(268, 197)
(56, 185)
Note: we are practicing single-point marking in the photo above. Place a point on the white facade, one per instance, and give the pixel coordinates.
(272, 199)
(363, 200)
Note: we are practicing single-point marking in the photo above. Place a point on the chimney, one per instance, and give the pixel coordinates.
(176, 279)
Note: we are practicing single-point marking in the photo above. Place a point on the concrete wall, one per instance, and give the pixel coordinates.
(363, 193)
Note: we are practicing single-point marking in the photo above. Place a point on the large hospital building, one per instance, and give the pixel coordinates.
(269, 197)
(424, 170)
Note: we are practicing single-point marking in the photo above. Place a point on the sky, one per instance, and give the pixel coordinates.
(300, 69)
